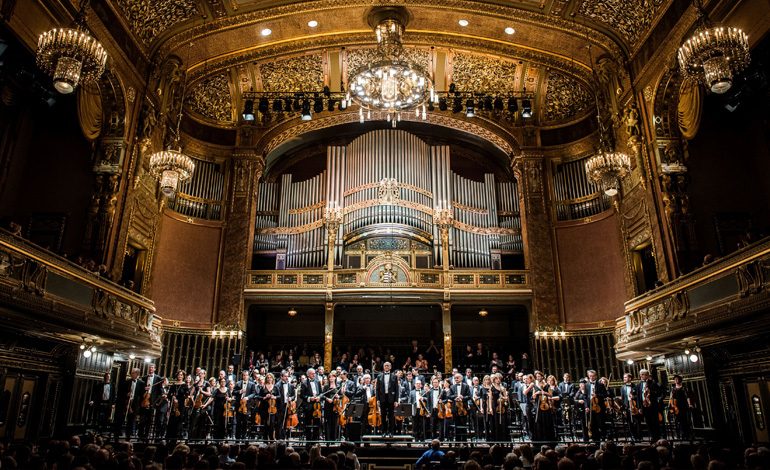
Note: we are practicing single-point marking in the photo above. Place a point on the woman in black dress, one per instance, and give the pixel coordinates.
(681, 410)
(268, 409)
(220, 395)
(178, 392)
(498, 420)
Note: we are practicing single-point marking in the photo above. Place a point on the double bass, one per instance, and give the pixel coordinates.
(375, 417)
(340, 406)
(291, 412)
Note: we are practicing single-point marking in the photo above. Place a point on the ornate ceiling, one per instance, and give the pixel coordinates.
(547, 54)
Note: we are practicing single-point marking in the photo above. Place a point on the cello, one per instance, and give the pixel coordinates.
(374, 417)
(291, 409)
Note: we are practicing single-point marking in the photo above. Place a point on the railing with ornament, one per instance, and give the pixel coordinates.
(721, 298)
(199, 208)
(574, 195)
(421, 278)
(64, 295)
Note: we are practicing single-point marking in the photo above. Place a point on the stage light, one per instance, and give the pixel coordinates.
(93, 349)
(693, 358)
(278, 106)
(266, 32)
(526, 108)
(312, 23)
(513, 106)
(498, 104)
(306, 116)
(82, 346)
(248, 110)
(318, 105)
(442, 104)
(264, 105)
(537, 333)
(648, 358)
(457, 105)
(509, 30)
(470, 110)
(292, 312)
(563, 334)
(483, 313)
(463, 23)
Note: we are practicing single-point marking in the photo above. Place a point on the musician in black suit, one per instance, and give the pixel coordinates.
(594, 388)
(286, 395)
(421, 419)
(630, 400)
(102, 399)
(310, 391)
(132, 392)
(460, 394)
(649, 395)
(387, 393)
(433, 398)
(245, 393)
(152, 386)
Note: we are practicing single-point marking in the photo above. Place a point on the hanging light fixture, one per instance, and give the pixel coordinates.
(483, 313)
(71, 55)
(713, 54)
(390, 84)
(171, 166)
(292, 312)
(607, 167)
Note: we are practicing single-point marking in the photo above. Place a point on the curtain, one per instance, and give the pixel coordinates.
(90, 112)
(690, 108)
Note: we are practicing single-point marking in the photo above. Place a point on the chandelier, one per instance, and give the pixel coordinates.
(714, 54)
(71, 55)
(170, 166)
(607, 167)
(390, 84)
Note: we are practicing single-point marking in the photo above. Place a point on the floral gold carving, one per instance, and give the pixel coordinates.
(631, 18)
(478, 72)
(150, 18)
(565, 97)
(211, 98)
(302, 73)
(357, 59)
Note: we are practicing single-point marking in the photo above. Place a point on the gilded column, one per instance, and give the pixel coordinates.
(536, 235)
(328, 334)
(245, 171)
(446, 320)
(443, 219)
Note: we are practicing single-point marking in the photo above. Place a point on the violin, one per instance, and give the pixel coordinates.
(339, 407)
(229, 407)
(672, 406)
(271, 408)
(646, 401)
(423, 406)
(244, 408)
(595, 406)
(175, 407)
(635, 411)
(317, 410)
(198, 400)
(462, 410)
(502, 401)
(543, 403)
(146, 399)
(291, 416)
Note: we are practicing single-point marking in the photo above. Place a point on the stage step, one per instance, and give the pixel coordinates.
(394, 438)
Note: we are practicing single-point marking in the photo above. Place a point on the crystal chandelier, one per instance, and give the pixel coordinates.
(170, 166)
(390, 84)
(71, 55)
(714, 54)
(607, 167)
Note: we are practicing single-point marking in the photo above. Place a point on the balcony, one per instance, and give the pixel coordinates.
(722, 301)
(420, 284)
(67, 302)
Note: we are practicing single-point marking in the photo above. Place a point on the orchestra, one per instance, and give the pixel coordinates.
(392, 404)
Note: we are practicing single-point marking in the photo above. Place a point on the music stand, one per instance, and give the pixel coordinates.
(404, 410)
(355, 411)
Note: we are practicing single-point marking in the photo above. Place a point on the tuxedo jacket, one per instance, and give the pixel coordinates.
(392, 394)
(157, 386)
(465, 391)
(247, 389)
(655, 395)
(306, 391)
(598, 389)
(97, 395)
(136, 402)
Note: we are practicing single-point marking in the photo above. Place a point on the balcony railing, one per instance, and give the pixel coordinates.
(716, 301)
(418, 278)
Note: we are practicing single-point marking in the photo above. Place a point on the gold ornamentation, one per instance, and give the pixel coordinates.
(150, 18)
(388, 191)
(291, 230)
(357, 59)
(565, 97)
(632, 18)
(485, 230)
(375, 184)
(478, 72)
(303, 73)
(211, 98)
(475, 210)
(302, 210)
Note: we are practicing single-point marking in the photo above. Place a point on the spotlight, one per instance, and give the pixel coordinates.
(330, 105)
(509, 30)
(264, 105)
(306, 116)
(498, 104)
(452, 88)
(292, 312)
(248, 110)
(470, 110)
(318, 105)
(488, 106)
(87, 353)
(513, 106)
(266, 32)
(312, 23)
(463, 23)
(442, 104)
(457, 105)
(278, 106)
(327, 91)
(343, 104)
(693, 358)
(630, 362)
(431, 107)
(483, 313)
(526, 108)
(563, 334)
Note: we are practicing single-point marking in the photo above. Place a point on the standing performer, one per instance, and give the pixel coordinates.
(387, 393)
(475, 413)
(102, 399)
(433, 401)
(421, 418)
(162, 407)
(461, 401)
(310, 391)
(178, 393)
(245, 393)
(221, 412)
(680, 405)
(271, 407)
(582, 408)
(649, 393)
(499, 403)
(631, 411)
(131, 404)
(331, 416)
(288, 395)
(543, 423)
(597, 392)
(152, 384)
(199, 417)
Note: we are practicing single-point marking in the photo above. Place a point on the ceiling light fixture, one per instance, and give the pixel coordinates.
(463, 23)
(483, 313)
(266, 32)
(390, 84)
(713, 54)
(312, 23)
(509, 30)
(171, 166)
(70, 55)
(608, 166)
(292, 312)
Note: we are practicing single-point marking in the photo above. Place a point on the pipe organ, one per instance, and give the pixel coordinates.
(387, 184)
(201, 196)
(576, 197)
